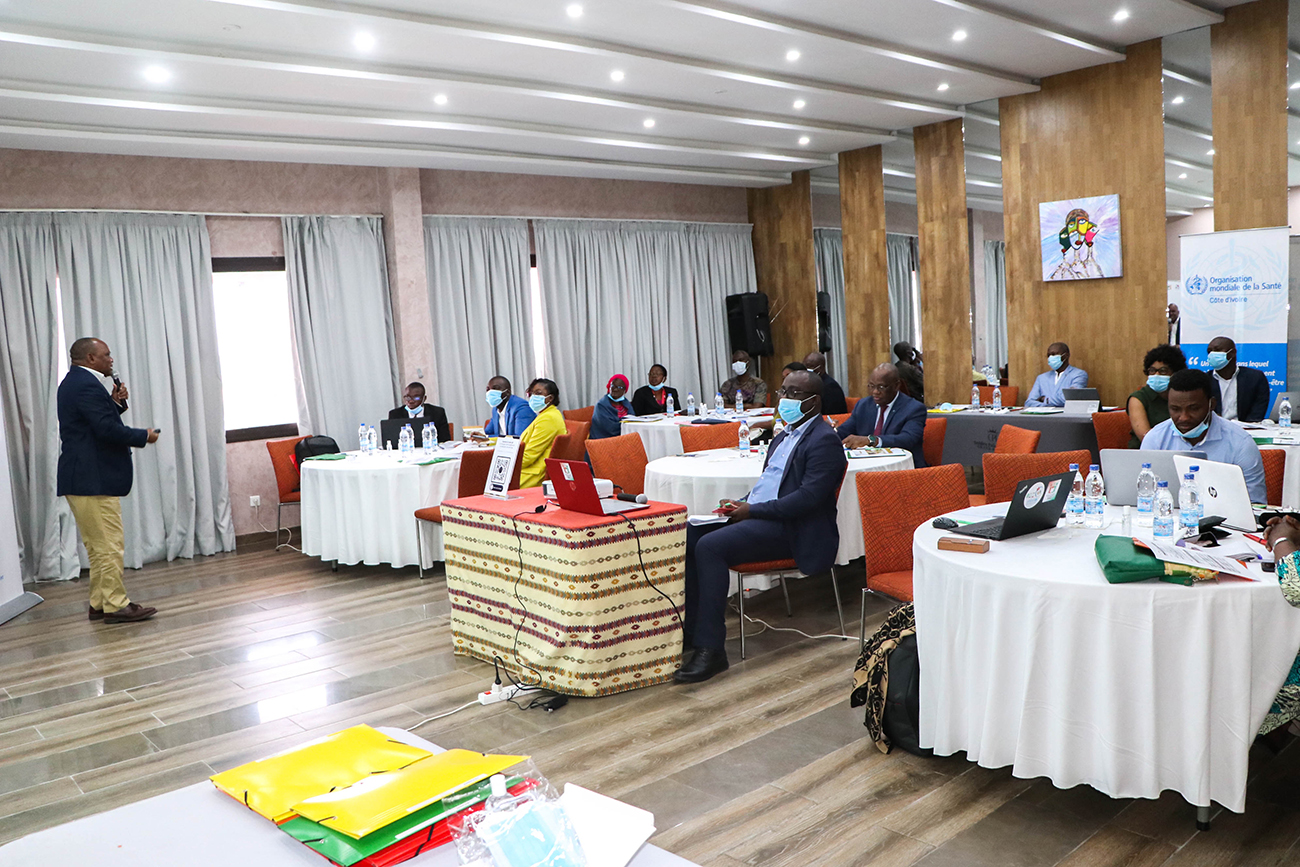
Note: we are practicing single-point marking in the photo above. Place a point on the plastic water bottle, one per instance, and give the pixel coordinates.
(1189, 506)
(744, 436)
(1284, 414)
(1163, 520)
(1074, 503)
(427, 437)
(975, 397)
(1094, 503)
(672, 410)
(406, 442)
(718, 405)
(740, 402)
(690, 403)
(997, 398)
(1146, 495)
(372, 441)
(363, 439)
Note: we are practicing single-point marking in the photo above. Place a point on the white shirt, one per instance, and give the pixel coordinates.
(414, 412)
(106, 381)
(1228, 393)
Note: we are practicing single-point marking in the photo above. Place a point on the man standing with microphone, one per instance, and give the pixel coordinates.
(95, 472)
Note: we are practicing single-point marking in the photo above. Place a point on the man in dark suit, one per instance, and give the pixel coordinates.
(1239, 392)
(790, 512)
(890, 419)
(833, 400)
(421, 413)
(95, 472)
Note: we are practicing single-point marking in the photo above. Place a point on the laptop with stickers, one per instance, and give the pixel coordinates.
(1036, 505)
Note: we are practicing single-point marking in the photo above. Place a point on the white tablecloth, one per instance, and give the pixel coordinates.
(1030, 659)
(700, 482)
(362, 510)
(663, 436)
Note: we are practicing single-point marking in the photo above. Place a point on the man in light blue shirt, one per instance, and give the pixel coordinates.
(1049, 387)
(1191, 425)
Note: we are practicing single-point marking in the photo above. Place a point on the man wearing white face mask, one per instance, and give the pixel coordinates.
(1239, 392)
(1049, 387)
(511, 414)
(753, 391)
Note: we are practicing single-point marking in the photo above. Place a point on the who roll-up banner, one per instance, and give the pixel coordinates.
(13, 599)
(1235, 284)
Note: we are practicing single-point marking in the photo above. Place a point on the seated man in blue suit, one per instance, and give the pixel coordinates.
(1239, 392)
(1049, 387)
(510, 413)
(790, 512)
(890, 419)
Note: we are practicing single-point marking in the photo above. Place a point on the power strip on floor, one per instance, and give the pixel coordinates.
(499, 693)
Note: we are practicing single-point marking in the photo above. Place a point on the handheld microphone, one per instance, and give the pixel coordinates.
(117, 381)
(632, 498)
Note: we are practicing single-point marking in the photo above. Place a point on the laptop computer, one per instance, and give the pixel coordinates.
(1036, 505)
(1277, 402)
(1223, 492)
(1119, 467)
(391, 428)
(575, 489)
(1081, 399)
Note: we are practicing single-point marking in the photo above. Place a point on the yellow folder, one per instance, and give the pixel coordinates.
(271, 786)
(370, 804)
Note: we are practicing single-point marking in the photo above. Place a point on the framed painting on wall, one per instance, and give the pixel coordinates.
(1080, 238)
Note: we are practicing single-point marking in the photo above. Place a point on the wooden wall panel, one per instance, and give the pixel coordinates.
(866, 281)
(1088, 133)
(784, 266)
(945, 260)
(1248, 60)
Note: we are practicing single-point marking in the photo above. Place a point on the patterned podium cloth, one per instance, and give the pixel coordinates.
(589, 620)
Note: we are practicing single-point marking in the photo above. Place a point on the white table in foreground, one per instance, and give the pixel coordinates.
(362, 509)
(700, 482)
(1032, 660)
(198, 826)
(662, 436)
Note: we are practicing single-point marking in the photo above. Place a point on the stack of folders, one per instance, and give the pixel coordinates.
(358, 797)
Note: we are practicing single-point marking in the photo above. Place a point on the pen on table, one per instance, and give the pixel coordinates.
(1252, 537)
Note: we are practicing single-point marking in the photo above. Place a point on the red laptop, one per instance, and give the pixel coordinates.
(575, 489)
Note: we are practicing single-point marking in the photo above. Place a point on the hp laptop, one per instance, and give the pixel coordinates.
(575, 489)
(1223, 492)
(1036, 505)
(1119, 467)
(391, 428)
(1081, 399)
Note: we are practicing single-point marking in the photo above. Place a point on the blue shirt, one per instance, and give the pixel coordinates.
(769, 484)
(1224, 442)
(1048, 387)
(517, 414)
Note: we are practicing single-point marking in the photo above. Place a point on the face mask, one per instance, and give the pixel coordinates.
(1054, 362)
(739, 367)
(537, 402)
(1218, 360)
(494, 396)
(657, 387)
(791, 410)
(1196, 431)
(620, 398)
(1158, 382)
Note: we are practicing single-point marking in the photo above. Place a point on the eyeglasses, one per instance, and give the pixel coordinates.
(782, 392)
(878, 386)
(1159, 371)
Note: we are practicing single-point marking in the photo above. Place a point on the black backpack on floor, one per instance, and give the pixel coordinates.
(901, 720)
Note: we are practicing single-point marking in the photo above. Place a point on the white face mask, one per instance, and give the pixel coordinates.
(739, 367)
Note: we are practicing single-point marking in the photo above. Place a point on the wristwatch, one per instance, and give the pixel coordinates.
(873, 441)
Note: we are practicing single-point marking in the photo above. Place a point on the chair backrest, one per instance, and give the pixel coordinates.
(1003, 472)
(568, 448)
(1014, 440)
(579, 430)
(451, 431)
(620, 459)
(580, 414)
(1010, 395)
(1113, 429)
(932, 440)
(286, 472)
(475, 464)
(1274, 470)
(851, 402)
(702, 437)
(894, 504)
(837, 419)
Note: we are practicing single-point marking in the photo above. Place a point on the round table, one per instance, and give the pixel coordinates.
(701, 479)
(362, 509)
(662, 436)
(1031, 659)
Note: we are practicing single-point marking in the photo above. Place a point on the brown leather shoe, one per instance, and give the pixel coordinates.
(96, 613)
(130, 614)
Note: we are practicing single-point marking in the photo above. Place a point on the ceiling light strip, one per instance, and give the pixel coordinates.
(1043, 28)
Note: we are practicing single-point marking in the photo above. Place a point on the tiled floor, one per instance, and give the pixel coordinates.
(765, 764)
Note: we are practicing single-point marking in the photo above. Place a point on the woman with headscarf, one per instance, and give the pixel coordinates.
(611, 409)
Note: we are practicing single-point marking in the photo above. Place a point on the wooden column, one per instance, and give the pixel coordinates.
(784, 266)
(1076, 137)
(945, 260)
(866, 279)
(1248, 61)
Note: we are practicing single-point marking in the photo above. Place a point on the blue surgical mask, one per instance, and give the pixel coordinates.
(1196, 431)
(658, 387)
(739, 367)
(494, 396)
(537, 402)
(1054, 362)
(1218, 360)
(619, 398)
(791, 410)
(1158, 382)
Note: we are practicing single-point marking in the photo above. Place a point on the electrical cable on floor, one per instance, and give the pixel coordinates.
(257, 516)
(767, 626)
(441, 715)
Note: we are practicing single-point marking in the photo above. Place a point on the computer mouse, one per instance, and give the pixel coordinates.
(944, 524)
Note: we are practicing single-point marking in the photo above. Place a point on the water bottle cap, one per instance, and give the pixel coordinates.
(1146, 466)
(1187, 477)
(1074, 466)
(1194, 469)
(1093, 468)
(1162, 484)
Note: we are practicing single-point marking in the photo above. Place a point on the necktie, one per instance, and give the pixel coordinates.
(880, 420)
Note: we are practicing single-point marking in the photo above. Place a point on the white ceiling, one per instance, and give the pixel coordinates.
(528, 86)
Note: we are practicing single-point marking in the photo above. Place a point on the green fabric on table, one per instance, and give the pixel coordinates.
(435, 461)
(334, 457)
(1123, 562)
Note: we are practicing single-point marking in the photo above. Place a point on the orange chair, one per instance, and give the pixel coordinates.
(851, 402)
(1274, 472)
(1010, 395)
(893, 505)
(936, 429)
(1003, 472)
(475, 464)
(620, 459)
(701, 437)
(580, 414)
(451, 431)
(579, 431)
(287, 479)
(1014, 440)
(1113, 429)
(838, 419)
(567, 447)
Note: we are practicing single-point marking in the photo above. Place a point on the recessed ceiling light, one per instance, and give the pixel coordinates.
(616, 75)
(798, 104)
(943, 87)
(440, 99)
(573, 10)
(804, 140)
(1178, 100)
(959, 36)
(1296, 86)
(364, 41)
(1183, 176)
(1210, 152)
(1121, 15)
(648, 123)
(792, 55)
(156, 74)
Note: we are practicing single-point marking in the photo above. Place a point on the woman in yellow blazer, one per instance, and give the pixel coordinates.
(538, 437)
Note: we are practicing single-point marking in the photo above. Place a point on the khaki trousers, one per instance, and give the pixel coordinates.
(100, 521)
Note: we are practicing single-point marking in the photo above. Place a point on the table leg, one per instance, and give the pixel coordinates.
(1202, 818)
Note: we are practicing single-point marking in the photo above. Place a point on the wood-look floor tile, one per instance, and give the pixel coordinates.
(840, 840)
(22, 773)
(1264, 836)
(1017, 834)
(38, 796)
(730, 826)
(956, 805)
(1111, 847)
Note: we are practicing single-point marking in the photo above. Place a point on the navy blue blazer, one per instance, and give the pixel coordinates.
(1252, 394)
(604, 418)
(805, 502)
(95, 458)
(904, 428)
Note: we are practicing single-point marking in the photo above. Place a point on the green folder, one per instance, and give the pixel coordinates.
(1122, 562)
(337, 456)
